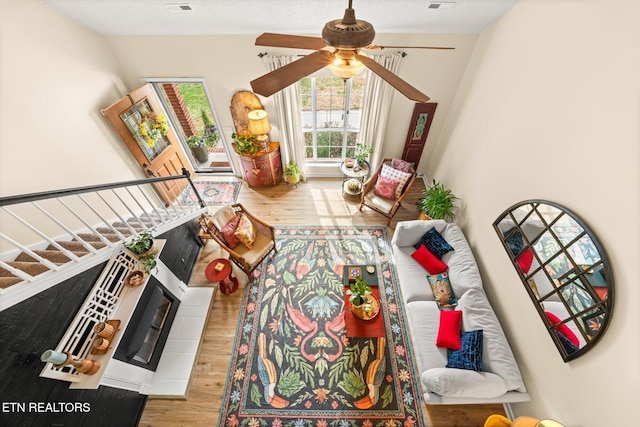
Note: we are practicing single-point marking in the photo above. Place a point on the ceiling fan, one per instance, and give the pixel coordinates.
(345, 38)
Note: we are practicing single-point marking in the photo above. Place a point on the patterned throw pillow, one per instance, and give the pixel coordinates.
(514, 241)
(434, 241)
(396, 175)
(400, 164)
(442, 290)
(386, 188)
(228, 232)
(470, 354)
(245, 231)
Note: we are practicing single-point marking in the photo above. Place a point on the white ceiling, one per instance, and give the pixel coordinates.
(154, 17)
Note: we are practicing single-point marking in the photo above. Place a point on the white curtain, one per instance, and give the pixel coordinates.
(376, 105)
(288, 116)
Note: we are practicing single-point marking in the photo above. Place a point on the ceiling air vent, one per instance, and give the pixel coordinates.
(441, 4)
(181, 7)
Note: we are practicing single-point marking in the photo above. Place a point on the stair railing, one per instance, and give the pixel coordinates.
(82, 227)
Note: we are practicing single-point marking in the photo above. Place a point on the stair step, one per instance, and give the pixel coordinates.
(73, 246)
(106, 231)
(54, 256)
(31, 268)
(6, 282)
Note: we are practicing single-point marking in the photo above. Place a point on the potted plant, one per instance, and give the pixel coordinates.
(140, 244)
(245, 144)
(358, 291)
(437, 203)
(198, 147)
(292, 173)
(148, 262)
(362, 153)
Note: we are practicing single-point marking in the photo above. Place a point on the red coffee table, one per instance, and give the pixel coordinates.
(223, 275)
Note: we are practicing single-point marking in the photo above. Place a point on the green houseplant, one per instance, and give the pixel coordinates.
(362, 153)
(141, 243)
(198, 146)
(245, 144)
(358, 291)
(438, 202)
(292, 173)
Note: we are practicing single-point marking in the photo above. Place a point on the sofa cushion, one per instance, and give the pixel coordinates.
(463, 383)
(442, 291)
(411, 275)
(228, 232)
(469, 356)
(478, 314)
(449, 329)
(434, 241)
(562, 329)
(396, 175)
(514, 241)
(386, 187)
(525, 259)
(428, 260)
(408, 233)
(245, 231)
(422, 316)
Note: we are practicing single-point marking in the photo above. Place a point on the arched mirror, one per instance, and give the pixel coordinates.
(563, 268)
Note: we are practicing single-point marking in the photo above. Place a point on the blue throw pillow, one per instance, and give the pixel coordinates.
(470, 354)
(434, 242)
(569, 347)
(514, 241)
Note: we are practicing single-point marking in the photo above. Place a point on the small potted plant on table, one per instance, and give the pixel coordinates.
(363, 304)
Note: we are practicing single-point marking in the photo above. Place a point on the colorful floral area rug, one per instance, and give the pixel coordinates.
(212, 193)
(292, 363)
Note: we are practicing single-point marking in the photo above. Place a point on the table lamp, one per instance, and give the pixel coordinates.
(260, 127)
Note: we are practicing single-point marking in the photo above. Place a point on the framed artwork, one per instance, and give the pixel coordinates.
(353, 273)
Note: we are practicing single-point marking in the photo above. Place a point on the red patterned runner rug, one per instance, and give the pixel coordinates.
(292, 363)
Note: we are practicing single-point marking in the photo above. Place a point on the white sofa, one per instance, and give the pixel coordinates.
(500, 380)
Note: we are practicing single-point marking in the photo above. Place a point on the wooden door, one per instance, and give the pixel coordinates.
(418, 131)
(161, 156)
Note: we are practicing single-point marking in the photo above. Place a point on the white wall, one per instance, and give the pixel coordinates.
(55, 77)
(229, 62)
(550, 84)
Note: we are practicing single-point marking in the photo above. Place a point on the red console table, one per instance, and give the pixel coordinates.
(263, 168)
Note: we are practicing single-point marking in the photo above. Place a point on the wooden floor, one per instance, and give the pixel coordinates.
(318, 201)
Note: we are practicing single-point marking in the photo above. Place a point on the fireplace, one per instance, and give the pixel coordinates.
(147, 331)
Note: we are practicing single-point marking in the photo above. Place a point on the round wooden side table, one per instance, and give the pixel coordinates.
(219, 270)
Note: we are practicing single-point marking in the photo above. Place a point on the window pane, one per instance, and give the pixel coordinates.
(330, 107)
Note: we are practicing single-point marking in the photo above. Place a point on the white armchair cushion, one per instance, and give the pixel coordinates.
(463, 383)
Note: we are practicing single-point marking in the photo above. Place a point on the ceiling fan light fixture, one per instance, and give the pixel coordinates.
(346, 64)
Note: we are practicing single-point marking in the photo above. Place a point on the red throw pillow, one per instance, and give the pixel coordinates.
(564, 329)
(228, 232)
(386, 188)
(525, 259)
(449, 330)
(429, 261)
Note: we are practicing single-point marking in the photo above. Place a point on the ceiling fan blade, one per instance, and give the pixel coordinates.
(374, 47)
(405, 88)
(278, 79)
(295, 42)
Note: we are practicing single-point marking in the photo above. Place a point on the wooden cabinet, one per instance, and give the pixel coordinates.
(263, 168)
